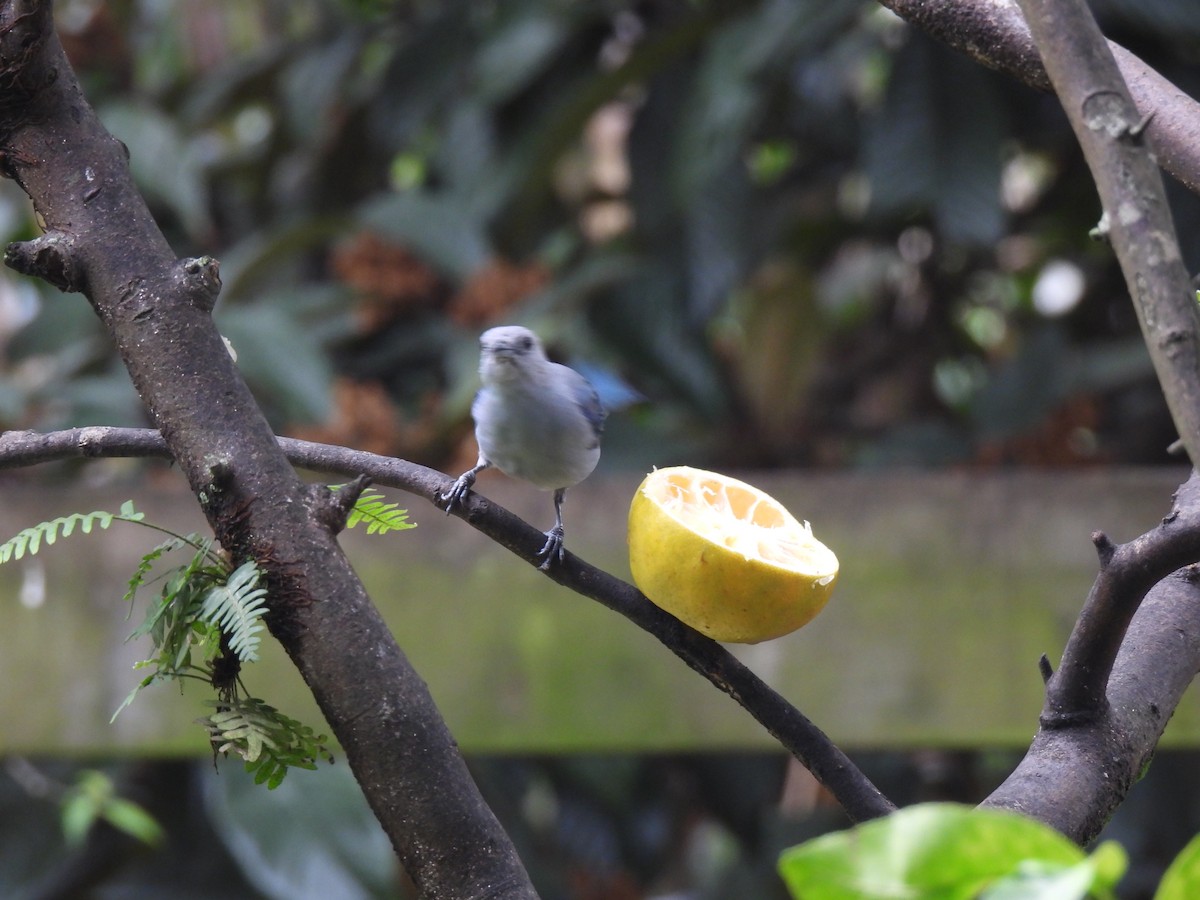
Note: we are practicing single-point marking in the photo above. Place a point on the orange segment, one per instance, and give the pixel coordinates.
(725, 557)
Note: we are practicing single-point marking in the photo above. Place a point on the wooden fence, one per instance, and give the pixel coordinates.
(952, 585)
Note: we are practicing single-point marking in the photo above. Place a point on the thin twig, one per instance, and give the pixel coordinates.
(853, 790)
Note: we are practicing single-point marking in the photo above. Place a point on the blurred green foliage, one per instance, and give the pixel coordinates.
(805, 233)
(954, 852)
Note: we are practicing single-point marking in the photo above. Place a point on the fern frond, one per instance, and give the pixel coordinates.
(145, 682)
(380, 516)
(268, 741)
(244, 727)
(30, 539)
(146, 564)
(177, 596)
(237, 608)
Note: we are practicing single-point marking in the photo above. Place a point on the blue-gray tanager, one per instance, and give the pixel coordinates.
(535, 420)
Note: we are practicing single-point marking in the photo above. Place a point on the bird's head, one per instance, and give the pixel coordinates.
(508, 351)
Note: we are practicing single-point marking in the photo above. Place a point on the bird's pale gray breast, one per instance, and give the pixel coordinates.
(543, 440)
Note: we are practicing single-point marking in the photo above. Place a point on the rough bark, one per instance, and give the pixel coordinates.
(100, 240)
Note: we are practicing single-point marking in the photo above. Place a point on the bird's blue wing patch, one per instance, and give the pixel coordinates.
(589, 403)
(615, 393)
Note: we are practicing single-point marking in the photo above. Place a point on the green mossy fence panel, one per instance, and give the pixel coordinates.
(952, 585)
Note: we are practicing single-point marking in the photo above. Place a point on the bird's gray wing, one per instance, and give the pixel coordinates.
(589, 402)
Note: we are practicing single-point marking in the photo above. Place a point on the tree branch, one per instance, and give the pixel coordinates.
(994, 33)
(1111, 132)
(1078, 691)
(1073, 777)
(101, 240)
(1128, 659)
(851, 788)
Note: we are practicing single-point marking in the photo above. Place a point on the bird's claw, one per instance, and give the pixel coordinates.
(553, 550)
(458, 492)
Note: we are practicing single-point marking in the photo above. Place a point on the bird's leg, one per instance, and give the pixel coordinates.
(462, 487)
(552, 551)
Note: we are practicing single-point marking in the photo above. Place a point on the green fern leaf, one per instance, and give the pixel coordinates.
(239, 729)
(269, 770)
(177, 598)
(146, 564)
(380, 516)
(237, 608)
(30, 539)
(268, 742)
(145, 682)
(129, 514)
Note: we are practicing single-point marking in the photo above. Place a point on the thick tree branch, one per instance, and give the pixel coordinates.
(1072, 778)
(1110, 130)
(857, 795)
(994, 33)
(1125, 666)
(1133, 652)
(1078, 691)
(101, 240)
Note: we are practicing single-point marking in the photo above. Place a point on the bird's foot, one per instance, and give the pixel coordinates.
(552, 551)
(458, 491)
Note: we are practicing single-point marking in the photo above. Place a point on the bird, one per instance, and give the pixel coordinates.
(535, 420)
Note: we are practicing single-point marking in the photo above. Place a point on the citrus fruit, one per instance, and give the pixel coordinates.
(724, 557)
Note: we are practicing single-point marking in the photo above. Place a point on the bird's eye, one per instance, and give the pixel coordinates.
(525, 344)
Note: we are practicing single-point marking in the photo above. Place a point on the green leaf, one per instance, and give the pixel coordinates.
(78, 813)
(515, 52)
(268, 741)
(168, 167)
(917, 155)
(330, 829)
(173, 621)
(145, 682)
(439, 228)
(936, 851)
(146, 564)
(237, 608)
(94, 796)
(1095, 876)
(132, 819)
(175, 605)
(30, 539)
(380, 516)
(1182, 878)
(84, 802)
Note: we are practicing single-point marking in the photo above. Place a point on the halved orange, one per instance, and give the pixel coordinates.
(725, 557)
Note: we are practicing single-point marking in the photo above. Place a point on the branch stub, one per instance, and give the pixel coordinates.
(50, 257)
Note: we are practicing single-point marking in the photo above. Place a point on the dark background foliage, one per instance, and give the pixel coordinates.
(789, 233)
